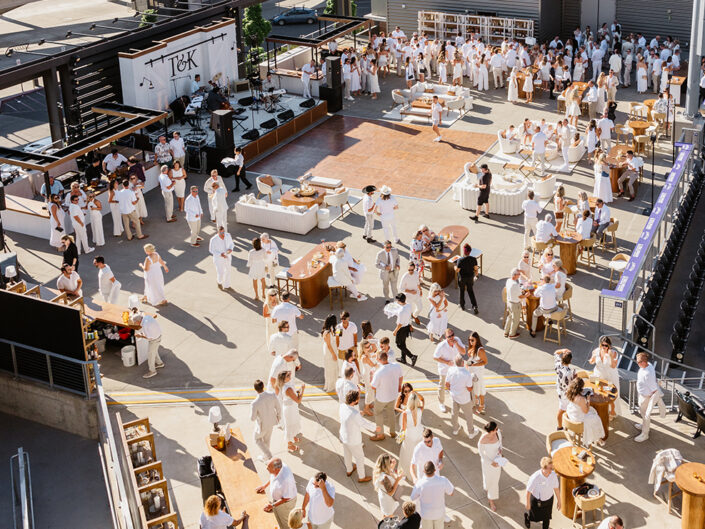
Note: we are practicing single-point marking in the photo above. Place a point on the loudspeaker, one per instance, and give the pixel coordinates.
(269, 124)
(286, 115)
(251, 135)
(245, 101)
(223, 126)
(3, 205)
(333, 76)
(309, 103)
(334, 97)
(213, 157)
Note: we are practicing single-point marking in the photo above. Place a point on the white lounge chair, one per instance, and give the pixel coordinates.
(263, 188)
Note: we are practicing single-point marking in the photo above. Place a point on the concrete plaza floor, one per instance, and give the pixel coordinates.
(213, 341)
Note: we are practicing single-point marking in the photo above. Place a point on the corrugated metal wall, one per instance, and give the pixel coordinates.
(650, 17)
(407, 18)
(571, 18)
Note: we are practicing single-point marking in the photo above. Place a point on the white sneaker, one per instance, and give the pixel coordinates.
(641, 438)
(437, 139)
(456, 431)
(637, 425)
(149, 374)
(475, 431)
(443, 408)
(261, 458)
(362, 297)
(90, 250)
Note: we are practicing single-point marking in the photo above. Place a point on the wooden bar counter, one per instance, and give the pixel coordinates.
(693, 511)
(313, 279)
(568, 243)
(238, 480)
(567, 466)
(441, 269)
(616, 159)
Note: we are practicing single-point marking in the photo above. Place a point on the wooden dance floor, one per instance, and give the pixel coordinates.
(362, 151)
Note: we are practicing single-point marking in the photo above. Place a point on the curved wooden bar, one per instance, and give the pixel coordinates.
(441, 269)
(312, 278)
(568, 244)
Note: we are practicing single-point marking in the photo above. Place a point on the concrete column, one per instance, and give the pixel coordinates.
(51, 92)
(697, 50)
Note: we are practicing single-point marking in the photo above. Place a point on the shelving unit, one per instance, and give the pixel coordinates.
(493, 30)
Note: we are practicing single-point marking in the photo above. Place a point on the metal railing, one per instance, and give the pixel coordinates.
(21, 491)
(669, 386)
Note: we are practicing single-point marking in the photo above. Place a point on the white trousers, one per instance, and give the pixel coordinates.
(168, 204)
(222, 270)
(497, 76)
(390, 229)
(330, 371)
(81, 237)
(195, 227)
(307, 88)
(416, 301)
(112, 295)
(606, 144)
(432, 524)
(354, 452)
(263, 441)
(529, 228)
(539, 162)
(646, 407)
(210, 207)
(369, 224)
(153, 357)
(221, 218)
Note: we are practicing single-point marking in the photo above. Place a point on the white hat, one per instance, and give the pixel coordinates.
(340, 253)
(386, 190)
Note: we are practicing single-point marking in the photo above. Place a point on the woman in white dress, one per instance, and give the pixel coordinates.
(383, 59)
(579, 69)
(386, 478)
(291, 398)
(412, 430)
(603, 185)
(95, 209)
(56, 220)
(513, 87)
(368, 364)
(256, 262)
(113, 189)
(546, 263)
(373, 79)
(153, 277)
(490, 449)
(178, 175)
(528, 86)
(572, 105)
(356, 85)
(442, 69)
(271, 301)
(438, 315)
(601, 103)
(579, 410)
(137, 187)
(665, 72)
(330, 354)
(591, 137)
(605, 360)
(559, 278)
(409, 73)
(524, 266)
(641, 84)
(476, 362)
(457, 72)
(483, 82)
(403, 400)
(545, 73)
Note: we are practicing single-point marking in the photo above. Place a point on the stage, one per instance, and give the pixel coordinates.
(362, 151)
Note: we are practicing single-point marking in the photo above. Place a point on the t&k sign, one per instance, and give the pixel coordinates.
(183, 62)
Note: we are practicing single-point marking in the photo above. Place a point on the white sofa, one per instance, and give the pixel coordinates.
(275, 216)
(545, 188)
(506, 195)
(419, 89)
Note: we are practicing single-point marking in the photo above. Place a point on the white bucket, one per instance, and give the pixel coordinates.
(128, 355)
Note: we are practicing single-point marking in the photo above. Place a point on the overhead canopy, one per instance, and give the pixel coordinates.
(342, 26)
(134, 119)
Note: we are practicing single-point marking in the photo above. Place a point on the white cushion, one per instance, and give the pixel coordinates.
(332, 282)
(331, 183)
(558, 444)
(277, 217)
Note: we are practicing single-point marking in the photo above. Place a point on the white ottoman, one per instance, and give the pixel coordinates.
(323, 218)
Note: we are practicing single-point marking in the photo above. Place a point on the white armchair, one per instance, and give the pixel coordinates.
(398, 97)
(340, 200)
(575, 154)
(268, 185)
(507, 146)
(457, 105)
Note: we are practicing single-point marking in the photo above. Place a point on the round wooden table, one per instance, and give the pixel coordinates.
(568, 243)
(616, 159)
(639, 126)
(690, 478)
(532, 303)
(292, 199)
(568, 467)
(649, 103)
(600, 400)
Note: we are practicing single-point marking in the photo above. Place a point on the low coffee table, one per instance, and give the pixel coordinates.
(290, 199)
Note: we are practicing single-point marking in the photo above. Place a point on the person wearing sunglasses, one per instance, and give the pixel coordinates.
(605, 359)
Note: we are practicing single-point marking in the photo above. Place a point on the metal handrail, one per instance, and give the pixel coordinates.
(24, 476)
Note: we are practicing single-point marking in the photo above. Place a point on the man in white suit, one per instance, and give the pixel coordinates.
(265, 412)
(221, 248)
(387, 263)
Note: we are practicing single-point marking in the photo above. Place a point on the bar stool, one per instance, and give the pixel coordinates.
(557, 317)
(617, 264)
(588, 253)
(585, 504)
(335, 288)
(477, 254)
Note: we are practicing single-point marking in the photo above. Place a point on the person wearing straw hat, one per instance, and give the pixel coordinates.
(368, 206)
(384, 207)
(342, 275)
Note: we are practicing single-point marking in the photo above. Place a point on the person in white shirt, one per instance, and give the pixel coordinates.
(590, 98)
(265, 413)
(650, 395)
(318, 502)
(342, 276)
(208, 188)
(221, 248)
(611, 522)
(538, 144)
(346, 384)
(351, 424)
(444, 355)
(108, 286)
(545, 230)
(540, 491)
(615, 63)
(386, 383)
(436, 112)
(368, 207)
(429, 449)
(281, 342)
(112, 161)
(584, 226)
(385, 206)
(215, 517)
(514, 297)
(410, 285)
(402, 331)
(634, 164)
(167, 186)
(79, 225)
(271, 258)
(497, 72)
(546, 291)
(347, 78)
(307, 70)
(282, 489)
(194, 214)
(459, 382)
(196, 87)
(178, 149)
(152, 332)
(531, 216)
(601, 220)
(220, 205)
(127, 203)
(289, 362)
(285, 311)
(69, 281)
(605, 126)
(345, 334)
(430, 492)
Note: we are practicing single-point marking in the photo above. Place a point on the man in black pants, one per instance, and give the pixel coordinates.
(403, 329)
(540, 491)
(467, 270)
(239, 170)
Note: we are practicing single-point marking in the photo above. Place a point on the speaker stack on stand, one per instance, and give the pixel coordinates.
(332, 91)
